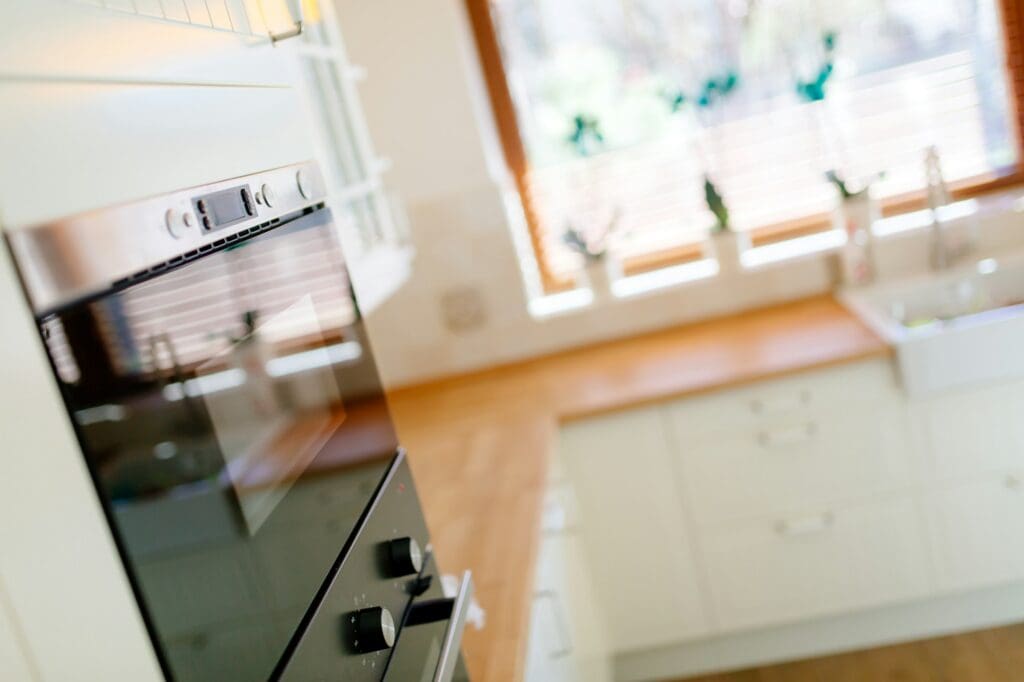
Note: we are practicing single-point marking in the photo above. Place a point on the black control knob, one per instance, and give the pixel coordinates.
(375, 630)
(404, 557)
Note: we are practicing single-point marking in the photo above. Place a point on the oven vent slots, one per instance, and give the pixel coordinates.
(207, 248)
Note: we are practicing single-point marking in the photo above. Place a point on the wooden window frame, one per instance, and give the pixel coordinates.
(489, 51)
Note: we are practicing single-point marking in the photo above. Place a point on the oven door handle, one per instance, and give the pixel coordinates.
(449, 657)
(455, 610)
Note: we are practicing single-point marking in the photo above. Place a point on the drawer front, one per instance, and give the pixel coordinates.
(977, 531)
(768, 402)
(812, 459)
(820, 562)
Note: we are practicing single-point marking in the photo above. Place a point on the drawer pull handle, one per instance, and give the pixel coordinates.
(808, 525)
(792, 435)
(778, 405)
(561, 621)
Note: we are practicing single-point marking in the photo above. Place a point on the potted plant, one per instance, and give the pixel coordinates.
(600, 269)
(854, 214)
(724, 243)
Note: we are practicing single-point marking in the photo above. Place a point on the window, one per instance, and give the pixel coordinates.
(614, 110)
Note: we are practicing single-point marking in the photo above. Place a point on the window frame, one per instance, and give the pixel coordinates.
(489, 52)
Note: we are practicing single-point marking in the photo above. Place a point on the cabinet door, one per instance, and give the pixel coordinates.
(14, 663)
(975, 431)
(639, 549)
(978, 530)
(815, 563)
(568, 642)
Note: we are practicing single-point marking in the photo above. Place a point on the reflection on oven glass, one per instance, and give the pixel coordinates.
(232, 414)
(268, 432)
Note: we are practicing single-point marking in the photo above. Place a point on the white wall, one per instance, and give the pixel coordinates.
(428, 112)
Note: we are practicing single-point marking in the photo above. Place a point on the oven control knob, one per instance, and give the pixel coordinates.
(302, 181)
(405, 557)
(375, 629)
(178, 223)
(269, 196)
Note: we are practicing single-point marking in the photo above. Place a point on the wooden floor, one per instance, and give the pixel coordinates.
(995, 655)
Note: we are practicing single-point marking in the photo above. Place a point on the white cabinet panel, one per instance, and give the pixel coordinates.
(978, 531)
(568, 642)
(824, 561)
(797, 461)
(975, 431)
(14, 662)
(640, 551)
(767, 402)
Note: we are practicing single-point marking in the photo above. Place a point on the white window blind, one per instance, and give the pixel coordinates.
(908, 74)
(200, 309)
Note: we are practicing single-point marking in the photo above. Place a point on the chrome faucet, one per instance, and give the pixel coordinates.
(943, 254)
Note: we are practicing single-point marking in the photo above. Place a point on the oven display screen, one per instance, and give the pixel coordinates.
(225, 207)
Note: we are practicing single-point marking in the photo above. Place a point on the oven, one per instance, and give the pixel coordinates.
(215, 366)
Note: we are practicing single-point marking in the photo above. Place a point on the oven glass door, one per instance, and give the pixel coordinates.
(232, 417)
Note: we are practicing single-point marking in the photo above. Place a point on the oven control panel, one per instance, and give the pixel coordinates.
(225, 207)
(355, 628)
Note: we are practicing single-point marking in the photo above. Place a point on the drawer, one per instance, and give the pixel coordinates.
(767, 402)
(801, 461)
(977, 529)
(819, 562)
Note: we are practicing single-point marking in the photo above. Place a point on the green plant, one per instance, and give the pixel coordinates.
(814, 90)
(593, 246)
(586, 136)
(717, 207)
(843, 187)
(712, 91)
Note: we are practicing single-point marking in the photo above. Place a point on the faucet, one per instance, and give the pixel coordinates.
(943, 254)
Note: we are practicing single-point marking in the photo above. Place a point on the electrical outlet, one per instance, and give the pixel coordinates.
(463, 309)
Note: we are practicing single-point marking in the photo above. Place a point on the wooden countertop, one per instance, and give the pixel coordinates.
(480, 444)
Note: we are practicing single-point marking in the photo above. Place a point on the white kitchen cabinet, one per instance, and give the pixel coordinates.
(978, 530)
(817, 438)
(766, 402)
(975, 430)
(622, 471)
(818, 562)
(796, 461)
(746, 514)
(14, 662)
(568, 641)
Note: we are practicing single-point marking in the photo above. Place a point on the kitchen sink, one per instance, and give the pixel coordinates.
(952, 328)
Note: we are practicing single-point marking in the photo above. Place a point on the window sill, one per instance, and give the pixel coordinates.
(758, 257)
(792, 249)
(630, 286)
(918, 220)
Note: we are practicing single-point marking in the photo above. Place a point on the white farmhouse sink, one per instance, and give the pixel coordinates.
(953, 328)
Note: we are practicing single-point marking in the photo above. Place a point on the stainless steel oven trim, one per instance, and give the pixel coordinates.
(449, 657)
(72, 258)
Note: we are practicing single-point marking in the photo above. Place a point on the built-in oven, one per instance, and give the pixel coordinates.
(214, 363)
